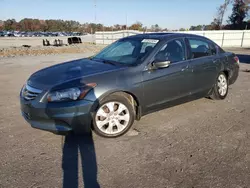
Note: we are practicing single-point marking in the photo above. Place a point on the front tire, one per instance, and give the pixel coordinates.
(114, 116)
(220, 89)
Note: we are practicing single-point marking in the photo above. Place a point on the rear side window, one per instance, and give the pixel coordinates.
(213, 49)
(200, 48)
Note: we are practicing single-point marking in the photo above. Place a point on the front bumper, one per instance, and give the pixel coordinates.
(59, 118)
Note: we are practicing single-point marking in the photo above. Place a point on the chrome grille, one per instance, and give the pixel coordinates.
(30, 93)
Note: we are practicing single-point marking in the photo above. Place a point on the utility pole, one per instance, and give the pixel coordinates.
(94, 29)
(95, 9)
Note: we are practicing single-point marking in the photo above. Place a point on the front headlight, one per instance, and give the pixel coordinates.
(70, 94)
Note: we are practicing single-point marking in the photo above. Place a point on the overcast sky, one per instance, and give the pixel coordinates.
(171, 14)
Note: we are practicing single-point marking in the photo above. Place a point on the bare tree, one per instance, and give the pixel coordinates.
(221, 12)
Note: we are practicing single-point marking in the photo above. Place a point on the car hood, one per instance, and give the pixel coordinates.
(64, 72)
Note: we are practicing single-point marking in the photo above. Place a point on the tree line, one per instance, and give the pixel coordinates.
(28, 24)
(237, 20)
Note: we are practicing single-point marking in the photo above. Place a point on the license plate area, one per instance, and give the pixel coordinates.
(26, 111)
(26, 115)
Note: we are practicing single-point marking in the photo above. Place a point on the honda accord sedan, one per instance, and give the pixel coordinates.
(128, 79)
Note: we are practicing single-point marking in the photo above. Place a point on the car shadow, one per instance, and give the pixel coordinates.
(79, 149)
(244, 58)
(78, 154)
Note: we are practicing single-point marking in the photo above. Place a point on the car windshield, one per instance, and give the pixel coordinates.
(128, 51)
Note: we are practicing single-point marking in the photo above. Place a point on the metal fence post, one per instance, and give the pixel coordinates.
(242, 40)
(103, 37)
(222, 42)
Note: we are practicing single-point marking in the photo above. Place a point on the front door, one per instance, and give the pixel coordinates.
(167, 84)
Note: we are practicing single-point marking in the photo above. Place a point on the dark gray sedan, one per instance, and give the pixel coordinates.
(128, 79)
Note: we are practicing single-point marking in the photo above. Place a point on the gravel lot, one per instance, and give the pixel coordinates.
(203, 143)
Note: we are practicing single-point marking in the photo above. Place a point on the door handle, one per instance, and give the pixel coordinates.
(215, 60)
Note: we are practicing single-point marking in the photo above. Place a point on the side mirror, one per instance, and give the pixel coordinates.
(160, 61)
(161, 64)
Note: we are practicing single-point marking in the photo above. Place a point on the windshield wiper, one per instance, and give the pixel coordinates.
(108, 62)
(104, 61)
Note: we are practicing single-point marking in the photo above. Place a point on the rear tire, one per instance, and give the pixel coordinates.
(114, 116)
(220, 89)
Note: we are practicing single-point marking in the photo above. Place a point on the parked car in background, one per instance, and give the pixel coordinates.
(9, 34)
(130, 78)
(38, 34)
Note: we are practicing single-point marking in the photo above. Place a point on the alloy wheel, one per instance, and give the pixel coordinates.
(112, 118)
(222, 85)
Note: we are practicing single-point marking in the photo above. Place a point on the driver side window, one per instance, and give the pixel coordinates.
(173, 51)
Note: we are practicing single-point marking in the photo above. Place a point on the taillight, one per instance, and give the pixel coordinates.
(237, 60)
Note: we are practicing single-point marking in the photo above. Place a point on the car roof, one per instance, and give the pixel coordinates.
(163, 36)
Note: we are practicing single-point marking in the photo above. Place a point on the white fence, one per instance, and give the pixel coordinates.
(224, 38)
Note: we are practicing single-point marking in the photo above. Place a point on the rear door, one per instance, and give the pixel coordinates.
(203, 64)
